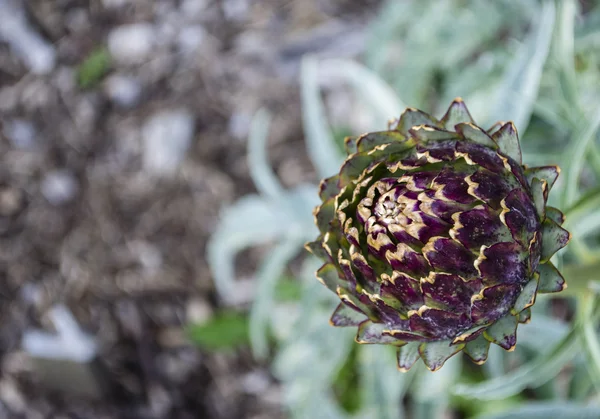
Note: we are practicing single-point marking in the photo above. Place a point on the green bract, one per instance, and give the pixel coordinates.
(436, 238)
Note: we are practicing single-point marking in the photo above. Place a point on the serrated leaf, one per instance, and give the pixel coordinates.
(457, 114)
(555, 215)
(478, 349)
(527, 297)
(345, 316)
(426, 133)
(503, 332)
(551, 279)
(547, 173)
(508, 141)
(412, 118)
(435, 354)
(476, 135)
(554, 238)
(539, 190)
(407, 356)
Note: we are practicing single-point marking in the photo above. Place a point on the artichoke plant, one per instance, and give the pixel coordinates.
(436, 237)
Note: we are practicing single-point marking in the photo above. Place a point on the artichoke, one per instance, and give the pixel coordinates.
(436, 238)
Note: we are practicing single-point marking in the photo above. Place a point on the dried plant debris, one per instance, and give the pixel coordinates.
(98, 215)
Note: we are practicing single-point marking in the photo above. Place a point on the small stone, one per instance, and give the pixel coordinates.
(129, 318)
(148, 255)
(37, 94)
(190, 38)
(16, 362)
(131, 44)
(239, 125)
(124, 91)
(167, 137)
(193, 8)
(77, 20)
(198, 311)
(59, 187)
(255, 382)
(32, 294)
(114, 4)
(9, 98)
(12, 397)
(37, 54)
(236, 9)
(11, 201)
(65, 79)
(21, 133)
(179, 365)
(160, 400)
(171, 337)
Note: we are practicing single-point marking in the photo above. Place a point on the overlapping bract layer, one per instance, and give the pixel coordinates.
(436, 238)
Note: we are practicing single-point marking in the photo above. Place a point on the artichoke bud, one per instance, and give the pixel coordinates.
(436, 237)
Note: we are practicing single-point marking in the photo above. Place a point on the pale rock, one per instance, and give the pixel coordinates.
(198, 311)
(59, 187)
(191, 38)
(123, 91)
(132, 43)
(167, 136)
(236, 10)
(115, 4)
(193, 8)
(37, 54)
(20, 132)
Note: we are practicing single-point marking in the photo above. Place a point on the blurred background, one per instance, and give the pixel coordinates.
(158, 169)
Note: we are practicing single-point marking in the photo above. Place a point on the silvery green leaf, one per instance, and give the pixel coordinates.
(250, 221)
(542, 333)
(589, 336)
(580, 143)
(495, 365)
(582, 219)
(382, 387)
(271, 269)
(253, 220)
(532, 374)
(430, 387)
(544, 410)
(430, 391)
(319, 140)
(370, 87)
(262, 175)
(519, 89)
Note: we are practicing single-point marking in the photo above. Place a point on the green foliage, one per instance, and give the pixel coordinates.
(226, 331)
(288, 289)
(93, 69)
(346, 384)
(534, 61)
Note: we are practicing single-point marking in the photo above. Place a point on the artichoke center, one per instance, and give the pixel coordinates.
(389, 210)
